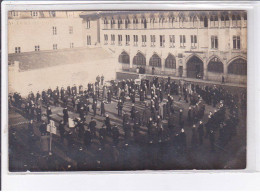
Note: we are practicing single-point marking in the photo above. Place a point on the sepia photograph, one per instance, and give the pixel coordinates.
(127, 90)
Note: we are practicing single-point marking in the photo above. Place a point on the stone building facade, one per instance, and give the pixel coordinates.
(195, 44)
(30, 31)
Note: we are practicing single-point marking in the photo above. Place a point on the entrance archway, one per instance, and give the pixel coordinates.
(195, 68)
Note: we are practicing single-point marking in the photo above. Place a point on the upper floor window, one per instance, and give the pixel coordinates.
(143, 40)
(105, 39)
(144, 23)
(213, 21)
(162, 40)
(37, 48)
(135, 40)
(17, 49)
(214, 42)
(119, 23)
(152, 40)
(127, 22)
(127, 40)
(236, 42)
(236, 20)
(70, 29)
(112, 23)
(225, 20)
(161, 21)
(120, 40)
(171, 21)
(88, 40)
(182, 40)
(193, 39)
(204, 21)
(105, 23)
(53, 13)
(152, 22)
(88, 24)
(181, 21)
(71, 45)
(194, 21)
(135, 23)
(54, 30)
(34, 13)
(172, 41)
(14, 13)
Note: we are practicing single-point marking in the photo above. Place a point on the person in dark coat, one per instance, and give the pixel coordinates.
(133, 112)
(65, 115)
(136, 128)
(92, 127)
(201, 132)
(61, 130)
(102, 136)
(87, 138)
(94, 107)
(49, 113)
(120, 107)
(102, 108)
(43, 128)
(108, 124)
(115, 135)
(39, 113)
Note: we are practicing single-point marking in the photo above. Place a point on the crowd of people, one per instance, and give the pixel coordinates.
(153, 117)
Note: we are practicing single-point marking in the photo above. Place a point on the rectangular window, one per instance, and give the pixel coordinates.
(71, 45)
(55, 46)
(172, 41)
(135, 40)
(112, 39)
(88, 40)
(152, 40)
(193, 39)
(70, 29)
(34, 13)
(120, 38)
(14, 13)
(162, 40)
(127, 39)
(236, 42)
(182, 40)
(143, 40)
(54, 30)
(105, 39)
(17, 49)
(214, 42)
(37, 48)
(52, 13)
(88, 24)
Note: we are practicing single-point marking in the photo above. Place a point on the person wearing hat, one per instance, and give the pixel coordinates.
(102, 135)
(48, 113)
(201, 132)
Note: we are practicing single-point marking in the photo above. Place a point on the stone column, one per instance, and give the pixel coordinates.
(205, 69)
